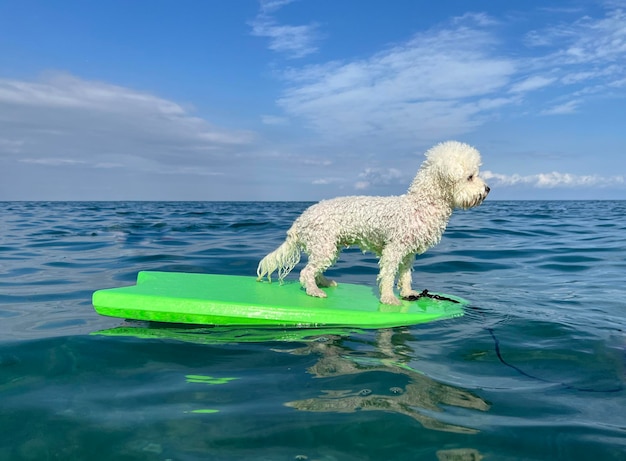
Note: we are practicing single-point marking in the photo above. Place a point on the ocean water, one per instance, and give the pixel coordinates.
(534, 370)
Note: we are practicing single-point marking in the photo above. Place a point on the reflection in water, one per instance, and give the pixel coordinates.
(418, 398)
(459, 454)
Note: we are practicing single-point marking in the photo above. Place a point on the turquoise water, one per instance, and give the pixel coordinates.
(535, 370)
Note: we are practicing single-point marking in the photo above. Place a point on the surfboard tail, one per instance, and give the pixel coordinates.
(284, 258)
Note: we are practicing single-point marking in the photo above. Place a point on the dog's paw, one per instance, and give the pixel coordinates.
(324, 282)
(391, 300)
(410, 295)
(316, 292)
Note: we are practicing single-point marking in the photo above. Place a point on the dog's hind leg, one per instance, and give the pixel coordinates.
(404, 277)
(322, 281)
(319, 260)
(307, 280)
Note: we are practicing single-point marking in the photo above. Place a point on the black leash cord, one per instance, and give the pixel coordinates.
(426, 294)
(496, 342)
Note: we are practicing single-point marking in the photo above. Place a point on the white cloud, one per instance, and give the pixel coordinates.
(61, 90)
(590, 73)
(618, 83)
(601, 40)
(269, 6)
(293, 41)
(587, 40)
(52, 161)
(565, 108)
(532, 83)
(440, 83)
(451, 79)
(11, 146)
(585, 49)
(378, 177)
(327, 181)
(62, 120)
(313, 161)
(552, 180)
(480, 19)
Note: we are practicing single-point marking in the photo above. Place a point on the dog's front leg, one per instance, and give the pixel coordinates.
(404, 277)
(389, 264)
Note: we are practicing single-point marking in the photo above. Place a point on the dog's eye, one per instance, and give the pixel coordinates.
(470, 177)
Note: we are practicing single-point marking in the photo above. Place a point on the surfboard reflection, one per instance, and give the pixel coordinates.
(342, 352)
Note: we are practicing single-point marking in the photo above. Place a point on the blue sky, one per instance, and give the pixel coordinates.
(307, 99)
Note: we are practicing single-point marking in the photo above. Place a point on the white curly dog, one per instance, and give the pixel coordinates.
(394, 228)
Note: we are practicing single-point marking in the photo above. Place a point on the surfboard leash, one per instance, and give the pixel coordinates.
(502, 360)
(426, 294)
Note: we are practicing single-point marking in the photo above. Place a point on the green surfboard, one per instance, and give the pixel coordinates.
(227, 300)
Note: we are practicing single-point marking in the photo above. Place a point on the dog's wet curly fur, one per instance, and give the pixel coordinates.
(394, 228)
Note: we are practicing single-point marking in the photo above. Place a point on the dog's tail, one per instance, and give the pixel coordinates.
(284, 258)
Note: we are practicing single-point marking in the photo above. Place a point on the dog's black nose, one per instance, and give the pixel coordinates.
(487, 189)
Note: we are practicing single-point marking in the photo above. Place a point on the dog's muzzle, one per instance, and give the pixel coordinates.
(480, 198)
(483, 196)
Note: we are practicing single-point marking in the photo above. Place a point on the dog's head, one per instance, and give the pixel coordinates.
(454, 166)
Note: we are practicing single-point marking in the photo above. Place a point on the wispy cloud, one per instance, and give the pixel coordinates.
(553, 180)
(411, 91)
(585, 51)
(63, 120)
(293, 41)
(11, 146)
(568, 107)
(453, 78)
(269, 6)
(532, 83)
(327, 181)
(378, 177)
(53, 161)
(585, 40)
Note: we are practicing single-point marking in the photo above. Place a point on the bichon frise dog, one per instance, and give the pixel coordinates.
(394, 228)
